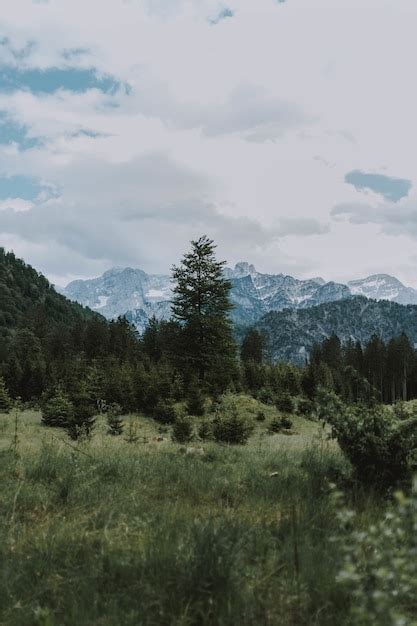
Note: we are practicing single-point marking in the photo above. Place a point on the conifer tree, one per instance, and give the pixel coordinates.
(201, 305)
(5, 402)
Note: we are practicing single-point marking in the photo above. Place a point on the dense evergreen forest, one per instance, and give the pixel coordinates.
(49, 345)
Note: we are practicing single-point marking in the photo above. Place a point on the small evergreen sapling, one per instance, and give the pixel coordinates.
(182, 431)
(58, 411)
(165, 412)
(114, 420)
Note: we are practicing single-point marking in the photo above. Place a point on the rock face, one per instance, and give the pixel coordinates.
(255, 294)
(138, 295)
(292, 333)
(383, 287)
(124, 291)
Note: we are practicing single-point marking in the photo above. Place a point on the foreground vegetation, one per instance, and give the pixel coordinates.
(103, 531)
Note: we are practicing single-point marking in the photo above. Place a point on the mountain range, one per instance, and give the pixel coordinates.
(292, 333)
(138, 295)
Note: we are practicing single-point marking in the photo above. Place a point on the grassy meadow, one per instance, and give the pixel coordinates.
(111, 533)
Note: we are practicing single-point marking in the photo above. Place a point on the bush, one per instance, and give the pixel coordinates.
(114, 420)
(260, 416)
(379, 445)
(379, 570)
(266, 395)
(279, 424)
(285, 403)
(229, 427)
(182, 431)
(205, 430)
(82, 422)
(305, 407)
(165, 412)
(5, 401)
(58, 411)
(195, 400)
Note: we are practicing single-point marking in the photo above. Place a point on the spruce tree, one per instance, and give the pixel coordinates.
(201, 305)
(114, 420)
(5, 402)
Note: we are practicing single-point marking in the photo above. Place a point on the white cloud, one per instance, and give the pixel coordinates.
(18, 205)
(244, 130)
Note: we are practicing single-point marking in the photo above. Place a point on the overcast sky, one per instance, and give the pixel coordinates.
(285, 130)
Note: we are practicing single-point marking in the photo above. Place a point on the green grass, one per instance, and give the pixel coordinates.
(109, 533)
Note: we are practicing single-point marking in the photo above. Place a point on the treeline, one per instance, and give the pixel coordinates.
(49, 345)
(385, 372)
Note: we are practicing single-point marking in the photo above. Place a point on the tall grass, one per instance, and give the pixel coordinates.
(114, 534)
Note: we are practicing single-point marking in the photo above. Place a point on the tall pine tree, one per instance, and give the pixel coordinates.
(201, 305)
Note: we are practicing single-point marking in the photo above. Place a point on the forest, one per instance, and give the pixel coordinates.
(180, 476)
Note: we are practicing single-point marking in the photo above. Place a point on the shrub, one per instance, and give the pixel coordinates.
(305, 407)
(260, 416)
(279, 424)
(165, 412)
(5, 401)
(230, 427)
(58, 410)
(81, 423)
(284, 403)
(379, 570)
(266, 395)
(205, 430)
(195, 400)
(379, 445)
(182, 431)
(132, 432)
(114, 420)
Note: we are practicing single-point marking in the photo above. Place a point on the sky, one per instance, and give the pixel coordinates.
(283, 129)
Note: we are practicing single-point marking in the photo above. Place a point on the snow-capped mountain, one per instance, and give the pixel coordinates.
(383, 287)
(124, 291)
(254, 294)
(138, 295)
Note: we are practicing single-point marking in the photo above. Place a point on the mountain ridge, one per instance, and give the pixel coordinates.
(139, 295)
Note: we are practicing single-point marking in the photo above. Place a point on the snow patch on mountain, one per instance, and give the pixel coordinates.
(138, 295)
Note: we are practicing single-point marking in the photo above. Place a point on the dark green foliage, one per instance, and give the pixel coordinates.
(253, 346)
(229, 427)
(260, 416)
(165, 412)
(182, 431)
(132, 432)
(205, 430)
(305, 407)
(5, 401)
(201, 305)
(58, 410)
(195, 400)
(279, 424)
(284, 403)
(266, 395)
(378, 444)
(114, 420)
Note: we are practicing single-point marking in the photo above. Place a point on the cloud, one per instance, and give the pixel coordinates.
(14, 132)
(17, 205)
(301, 227)
(222, 15)
(388, 187)
(394, 219)
(126, 213)
(251, 113)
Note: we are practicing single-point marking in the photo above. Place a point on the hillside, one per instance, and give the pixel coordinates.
(292, 333)
(27, 296)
